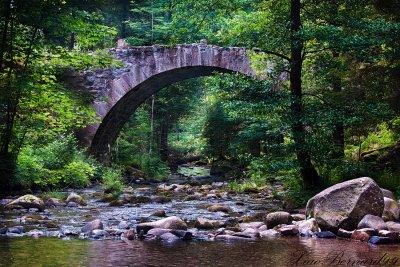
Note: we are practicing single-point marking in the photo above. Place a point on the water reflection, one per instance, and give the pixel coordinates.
(270, 252)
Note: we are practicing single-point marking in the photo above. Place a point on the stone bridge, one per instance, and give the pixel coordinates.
(118, 91)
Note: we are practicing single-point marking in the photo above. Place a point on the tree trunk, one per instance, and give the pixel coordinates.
(152, 124)
(307, 169)
(125, 16)
(164, 141)
(5, 30)
(8, 159)
(338, 132)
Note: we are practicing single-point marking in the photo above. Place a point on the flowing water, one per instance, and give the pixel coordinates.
(50, 250)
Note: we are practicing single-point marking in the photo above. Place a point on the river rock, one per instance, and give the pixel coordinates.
(391, 210)
(371, 221)
(26, 202)
(75, 198)
(248, 233)
(158, 231)
(3, 230)
(262, 228)
(72, 205)
(35, 233)
(116, 203)
(172, 222)
(376, 240)
(344, 233)
(5, 201)
(385, 233)
(54, 202)
(360, 236)
(204, 223)
(211, 196)
(128, 235)
(269, 233)
(253, 225)
(50, 224)
(123, 225)
(16, 230)
(298, 217)
(393, 226)
(325, 234)
(192, 197)
(280, 217)
(369, 231)
(68, 231)
(187, 236)
(388, 194)
(89, 227)
(308, 227)
(159, 213)
(345, 204)
(161, 199)
(98, 233)
(169, 237)
(137, 199)
(289, 230)
(218, 207)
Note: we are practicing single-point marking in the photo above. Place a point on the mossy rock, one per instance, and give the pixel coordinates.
(137, 199)
(116, 203)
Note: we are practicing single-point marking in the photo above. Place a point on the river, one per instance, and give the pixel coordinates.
(50, 248)
(292, 251)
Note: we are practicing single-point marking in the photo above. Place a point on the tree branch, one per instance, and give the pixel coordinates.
(276, 54)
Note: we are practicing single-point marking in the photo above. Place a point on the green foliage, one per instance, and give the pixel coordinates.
(349, 96)
(243, 186)
(152, 166)
(112, 181)
(57, 164)
(77, 174)
(149, 23)
(296, 196)
(53, 194)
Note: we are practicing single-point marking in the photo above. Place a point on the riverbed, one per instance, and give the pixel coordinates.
(53, 237)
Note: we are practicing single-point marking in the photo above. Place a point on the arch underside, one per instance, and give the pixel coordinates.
(108, 130)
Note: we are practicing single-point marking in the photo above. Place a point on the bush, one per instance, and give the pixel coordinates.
(77, 174)
(112, 181)
(57, 164)
(296, 196)
(152, 166)
(30, 169)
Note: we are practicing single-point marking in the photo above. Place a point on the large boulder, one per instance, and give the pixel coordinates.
(345, 204)
(371, 221)
(26, 202)
(391, 210)
(172, 222)
(280, 217)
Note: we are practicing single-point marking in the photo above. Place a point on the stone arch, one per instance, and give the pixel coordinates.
(118, 91)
